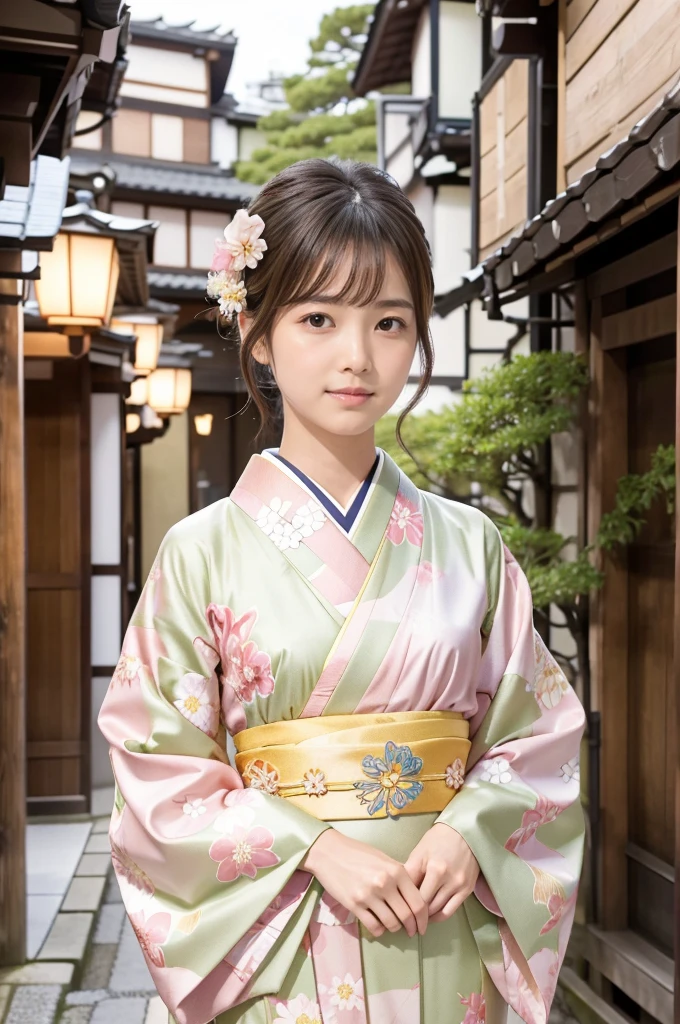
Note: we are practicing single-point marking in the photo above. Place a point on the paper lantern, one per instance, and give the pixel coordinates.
(78, 280)
(139, 392)
(203, 424)
(149, 338)
(169, 390)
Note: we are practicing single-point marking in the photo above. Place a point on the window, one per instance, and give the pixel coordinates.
(131, 132)
(167, 137)
(93, 140)
(206, 226)
(170, 244)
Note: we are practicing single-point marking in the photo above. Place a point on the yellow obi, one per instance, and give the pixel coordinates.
(340, 767)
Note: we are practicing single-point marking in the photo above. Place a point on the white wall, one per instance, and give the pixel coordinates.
(421, 79)
(168, 76)
(223, 142)
(460, 57)
(250, 139)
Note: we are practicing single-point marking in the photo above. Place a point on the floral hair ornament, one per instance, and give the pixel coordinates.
(242, 247)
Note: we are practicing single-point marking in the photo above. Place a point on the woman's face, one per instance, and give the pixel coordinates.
(339, 368)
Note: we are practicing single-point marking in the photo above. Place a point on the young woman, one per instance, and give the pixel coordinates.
(400, 839)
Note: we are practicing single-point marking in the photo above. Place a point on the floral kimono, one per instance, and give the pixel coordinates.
(377, 678)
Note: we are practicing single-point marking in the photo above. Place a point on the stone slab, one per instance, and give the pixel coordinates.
(94, 864)
(76, 1015)
(97, 973)
(130, 973)
(84, 893)
(109, 923)
(38, 974)
(86, 998)
(34, 1004)
(98, 843)
(120, 1011)
(67, 938)
(156, 1011)
(101, 825)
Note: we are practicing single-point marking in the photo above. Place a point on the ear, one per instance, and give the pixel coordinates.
(259, 353)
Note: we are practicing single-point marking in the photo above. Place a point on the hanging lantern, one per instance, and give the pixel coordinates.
(169, 390)
(149, 337)
(133, 422)
(203, 424)
(78, 280)
(139, 392)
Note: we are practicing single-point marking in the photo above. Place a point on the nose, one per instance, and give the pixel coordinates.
(356, 354)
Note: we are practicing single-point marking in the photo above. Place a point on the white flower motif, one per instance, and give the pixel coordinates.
(300, 1010)
(455, 774)
(347, 994)
(216, 282)
(232, 295)
(198, 702)
(497, 771)
(309, 518)
(271, 521)
(315, 782)
(571, 770)
(194, 808)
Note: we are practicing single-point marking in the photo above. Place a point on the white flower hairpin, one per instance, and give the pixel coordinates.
(242, 247)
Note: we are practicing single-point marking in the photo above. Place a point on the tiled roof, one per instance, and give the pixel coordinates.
(165, 282)
(158, 28)
(148, 176)
(587, 211)
(30, 216)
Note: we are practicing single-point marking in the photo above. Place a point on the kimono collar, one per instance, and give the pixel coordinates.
(286, 512)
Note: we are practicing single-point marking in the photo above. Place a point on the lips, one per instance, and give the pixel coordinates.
(351, 391)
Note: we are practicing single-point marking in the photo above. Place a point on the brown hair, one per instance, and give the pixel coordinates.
(315, 211)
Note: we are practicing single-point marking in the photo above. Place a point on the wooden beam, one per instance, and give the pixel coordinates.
(676, 659)
(607, 462)
(12, 631)
(654, 319)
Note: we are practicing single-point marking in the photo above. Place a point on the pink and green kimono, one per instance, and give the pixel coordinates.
(262, 609)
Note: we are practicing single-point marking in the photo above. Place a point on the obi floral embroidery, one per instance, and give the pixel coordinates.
(455, 774)
(394, 786)
(243, 852)
(315, 782)
(262, 775)
(406, 522)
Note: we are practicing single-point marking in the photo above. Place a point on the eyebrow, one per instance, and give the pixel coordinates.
(379, 303)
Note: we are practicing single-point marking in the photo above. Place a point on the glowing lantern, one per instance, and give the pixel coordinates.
(203, 424)
(78, 280)
(149, 337)
(139, 392)
(169, 390)
(133, 422)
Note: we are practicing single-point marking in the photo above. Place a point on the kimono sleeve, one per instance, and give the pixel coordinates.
(207, 869)
(519, 809)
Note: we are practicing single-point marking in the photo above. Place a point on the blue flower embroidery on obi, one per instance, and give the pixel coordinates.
(393, 787)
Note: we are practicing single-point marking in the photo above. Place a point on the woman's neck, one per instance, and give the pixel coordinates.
(338, 464)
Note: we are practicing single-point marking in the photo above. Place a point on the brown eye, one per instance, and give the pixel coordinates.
(390, 323)
(317, 320)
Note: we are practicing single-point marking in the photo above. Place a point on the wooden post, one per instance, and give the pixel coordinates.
(676, 651)
(12, 628)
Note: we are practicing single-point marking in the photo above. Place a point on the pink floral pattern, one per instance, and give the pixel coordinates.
(245, 667)
(476, 1008)
(558, 907)
(127, 670)
(128, 871)
(152, 932)
(243, 853)
(406, 521)
(543, 813)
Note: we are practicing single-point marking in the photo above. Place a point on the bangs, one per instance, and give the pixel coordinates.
(349, 269)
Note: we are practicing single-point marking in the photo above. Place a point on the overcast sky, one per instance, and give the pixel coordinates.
(273, 35)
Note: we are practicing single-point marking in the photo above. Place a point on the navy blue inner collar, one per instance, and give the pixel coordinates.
(345, 520)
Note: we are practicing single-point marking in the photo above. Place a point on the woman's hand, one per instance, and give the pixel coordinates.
(444, 868)
(373, 886)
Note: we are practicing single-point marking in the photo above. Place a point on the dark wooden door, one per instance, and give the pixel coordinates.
(217, 460)
(651, 691)
(58, 591)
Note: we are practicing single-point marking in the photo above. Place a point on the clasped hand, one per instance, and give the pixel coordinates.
(386, 895)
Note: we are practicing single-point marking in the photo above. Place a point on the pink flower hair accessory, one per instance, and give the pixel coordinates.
(242, 247)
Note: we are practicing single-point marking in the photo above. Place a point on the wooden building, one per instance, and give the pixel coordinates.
(47, 54)
(168, 156)
(575, 182)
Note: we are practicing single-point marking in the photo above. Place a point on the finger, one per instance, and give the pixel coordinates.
(435, 878)
(417, 904)
(371, 923)
(386, 915)
(450, 908)
(415, 869)
(441, 897)
(403, 911)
